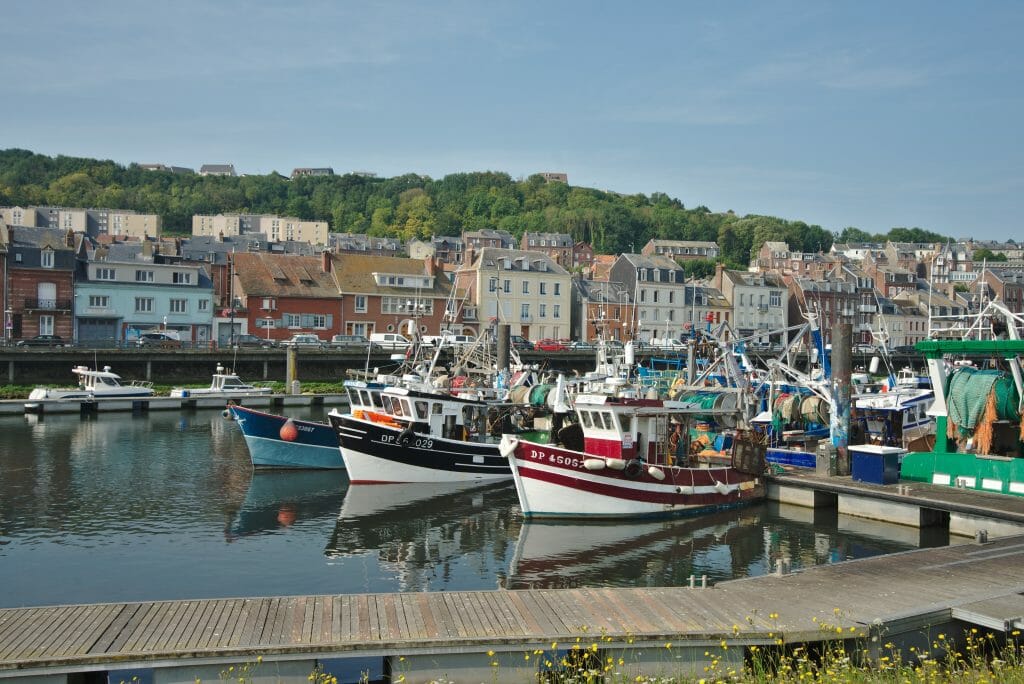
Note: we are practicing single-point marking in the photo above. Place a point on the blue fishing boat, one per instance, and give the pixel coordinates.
(280, 442)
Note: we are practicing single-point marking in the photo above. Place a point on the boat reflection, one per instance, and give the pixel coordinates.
(278, 500)
(420, 534)
(721, 546)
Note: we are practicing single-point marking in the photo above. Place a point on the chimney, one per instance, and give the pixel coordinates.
(326, 261)
(719, 269)
(431, 267)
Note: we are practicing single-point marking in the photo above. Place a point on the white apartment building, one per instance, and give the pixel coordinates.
(526, 290)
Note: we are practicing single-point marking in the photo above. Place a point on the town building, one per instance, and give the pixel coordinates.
(659, 302)
(760, 302)
(600, 310)
(310, 171)
(166, 167)
(682, 250)
(365, 244)
(125, 289)
(558, 246)
(1005, 285)
(395, 294)
(217, 170)
(276, 228)
(96, 223)
(582, 255)
(476, 240)
(38, 285)
(526, 290)
(279, 295)
(555, 177)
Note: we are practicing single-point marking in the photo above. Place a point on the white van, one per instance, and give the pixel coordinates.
(390, 341)
(668, 344)
(449, 340)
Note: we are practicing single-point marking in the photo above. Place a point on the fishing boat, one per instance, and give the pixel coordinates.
(631, 457)
(223, 384)
(92, 384)
(407, 434)
(276, 441)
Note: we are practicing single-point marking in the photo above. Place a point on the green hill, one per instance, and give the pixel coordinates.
(405, 206)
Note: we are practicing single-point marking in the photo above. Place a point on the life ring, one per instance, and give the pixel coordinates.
(673, 442)
(633, 469)
(405, 439)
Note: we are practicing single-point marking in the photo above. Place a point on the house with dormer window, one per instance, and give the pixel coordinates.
(659, 294)
(40, 284)
(526, 290)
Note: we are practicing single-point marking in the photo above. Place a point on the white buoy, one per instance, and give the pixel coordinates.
(656, 472)
(721, 487)
(615, 463)
(594, 463)
(687, 490)
(873, 365)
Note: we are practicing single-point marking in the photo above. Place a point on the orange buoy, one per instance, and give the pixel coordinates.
(289, 432)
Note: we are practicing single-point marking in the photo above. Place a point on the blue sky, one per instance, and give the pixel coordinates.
(870, 114)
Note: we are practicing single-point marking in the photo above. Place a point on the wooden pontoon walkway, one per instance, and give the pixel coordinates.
(979, 583)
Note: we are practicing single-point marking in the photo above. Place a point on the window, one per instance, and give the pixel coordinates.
(181, 278)
(319, 321)
(526, 287)
(543, 310)
(776, 298)
(558, 288)
(292, 320)
(204, 304)
(492, 284)
(143, 276)
(543, 288)
(671, 298)
(46, 259)
(104, 274)
(268, 304)
(555, 309)
(524, 311)
(655, 296)
(507, 286)
(179, 306)
(144, 304)
(360, 303)
(99, 301)
(46, 325)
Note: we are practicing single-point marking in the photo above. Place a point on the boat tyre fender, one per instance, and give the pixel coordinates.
(633, 469)
(405, 439)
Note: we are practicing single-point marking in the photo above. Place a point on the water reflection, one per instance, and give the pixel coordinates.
(278, 500)
(119, 507)
(429, 536)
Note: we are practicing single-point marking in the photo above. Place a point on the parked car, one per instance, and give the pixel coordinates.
(863, 349)
(905, 349)
(581, 345)
(390, 341)
(668, 344)
(52, 341)
(359, 342)
(304, 341)
(549, 344)
(247, 340)
(520, 343)
(162, 340)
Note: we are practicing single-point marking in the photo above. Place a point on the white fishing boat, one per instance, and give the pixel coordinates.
(224, 385)
(92, 384)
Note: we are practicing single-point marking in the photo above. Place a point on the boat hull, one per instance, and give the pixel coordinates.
(553, 482)
(374, 453)
(314, 446)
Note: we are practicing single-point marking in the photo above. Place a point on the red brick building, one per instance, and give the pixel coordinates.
(39, 283)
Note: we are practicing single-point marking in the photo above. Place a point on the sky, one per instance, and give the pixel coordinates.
(867, 114)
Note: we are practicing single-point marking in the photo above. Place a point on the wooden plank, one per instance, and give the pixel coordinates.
(15, 623)
(252, 632)
(296, 628)
(390, 609)
(374, 617)
(31, 629)
(266, 629)
(216, 627)
(346, 615)
(279, 634)
(139, 616)
(102, 644)
(426, 616)
(242, 619)
(454, 618)
(524, 614)
(168, 628)
(193, 631)
(143, 634)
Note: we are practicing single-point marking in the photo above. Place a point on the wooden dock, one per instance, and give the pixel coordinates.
(964, 512)
(905, 598)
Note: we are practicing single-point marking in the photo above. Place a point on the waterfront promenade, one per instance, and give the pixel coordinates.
(906, 598)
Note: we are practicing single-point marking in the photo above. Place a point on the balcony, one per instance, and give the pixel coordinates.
(47, 305)
(867, 308)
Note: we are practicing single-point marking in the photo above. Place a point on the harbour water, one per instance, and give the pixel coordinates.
(122, 507)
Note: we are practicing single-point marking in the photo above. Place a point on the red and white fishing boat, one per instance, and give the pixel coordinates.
(630, 457)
